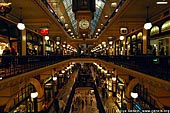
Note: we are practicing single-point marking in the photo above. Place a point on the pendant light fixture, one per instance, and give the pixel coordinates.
(148, 24)
(20, 24)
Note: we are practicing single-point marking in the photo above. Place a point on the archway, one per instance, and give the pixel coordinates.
(37, 87)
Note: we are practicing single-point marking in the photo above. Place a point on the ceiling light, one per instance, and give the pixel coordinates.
(162, 3)
(21, 25)
(47, 37)
(110, 42)
(121, 37)
(98, 30)
(148, 24)
(58, 43)
(106, 16)
(66, 25)
(69, 30)
(114, 4)
(54, 78)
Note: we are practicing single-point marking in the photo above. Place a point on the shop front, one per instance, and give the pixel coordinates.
(24, 102)
(120, 92)
(160, 37)
(50, 88)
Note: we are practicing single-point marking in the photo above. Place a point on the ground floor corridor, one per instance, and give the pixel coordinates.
(84, 101)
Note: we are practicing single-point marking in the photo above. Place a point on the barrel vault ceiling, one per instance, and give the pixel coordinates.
(132, 14)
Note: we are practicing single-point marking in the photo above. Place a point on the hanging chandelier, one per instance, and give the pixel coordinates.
(5, 7)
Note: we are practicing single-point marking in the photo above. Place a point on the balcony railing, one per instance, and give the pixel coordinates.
(14, 65)
(157, 66)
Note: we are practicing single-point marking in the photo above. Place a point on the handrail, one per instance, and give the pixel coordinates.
(156, 66)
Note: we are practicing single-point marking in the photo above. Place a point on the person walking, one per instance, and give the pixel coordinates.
(61, 105)
(86, 100)
(56, 105)
(91, 100)
(13, 56)
(82, 103)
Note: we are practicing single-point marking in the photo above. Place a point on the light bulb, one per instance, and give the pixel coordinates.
(134, 95)
(121, 37)
(21, 26)
(46, 37)
(147, 25)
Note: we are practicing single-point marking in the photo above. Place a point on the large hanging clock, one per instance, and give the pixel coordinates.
(84, 24)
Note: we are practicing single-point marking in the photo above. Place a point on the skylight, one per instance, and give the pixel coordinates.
(99, 7)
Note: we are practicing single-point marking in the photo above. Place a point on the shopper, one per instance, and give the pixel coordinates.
(162, 51)
(62, 105)
(13, 56)
(6, 57)
(82, 103)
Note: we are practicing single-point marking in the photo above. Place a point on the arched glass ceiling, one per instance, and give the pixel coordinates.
(99, 7)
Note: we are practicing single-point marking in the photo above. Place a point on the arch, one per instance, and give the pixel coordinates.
(139, 35)
(165, 26)
(154, 30)
(37, 86)
(130, 87)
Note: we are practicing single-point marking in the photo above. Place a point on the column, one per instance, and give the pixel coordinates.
(124, 45)
(23, 42)
(44, 45)
(145, 41)
(40, 105)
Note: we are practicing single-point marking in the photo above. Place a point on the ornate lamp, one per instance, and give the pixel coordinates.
(148, 24)
(5, 7)
(21, 25)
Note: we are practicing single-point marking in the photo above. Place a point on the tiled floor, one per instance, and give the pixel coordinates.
(84, 101)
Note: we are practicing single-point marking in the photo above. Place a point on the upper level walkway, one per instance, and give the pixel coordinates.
(147, 68)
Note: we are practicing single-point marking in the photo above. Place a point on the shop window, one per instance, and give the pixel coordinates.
(139, 36)
(29, 37)
(154, 30)
(128, 40)
(35, 38)
(133, 37)
(165, 26)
